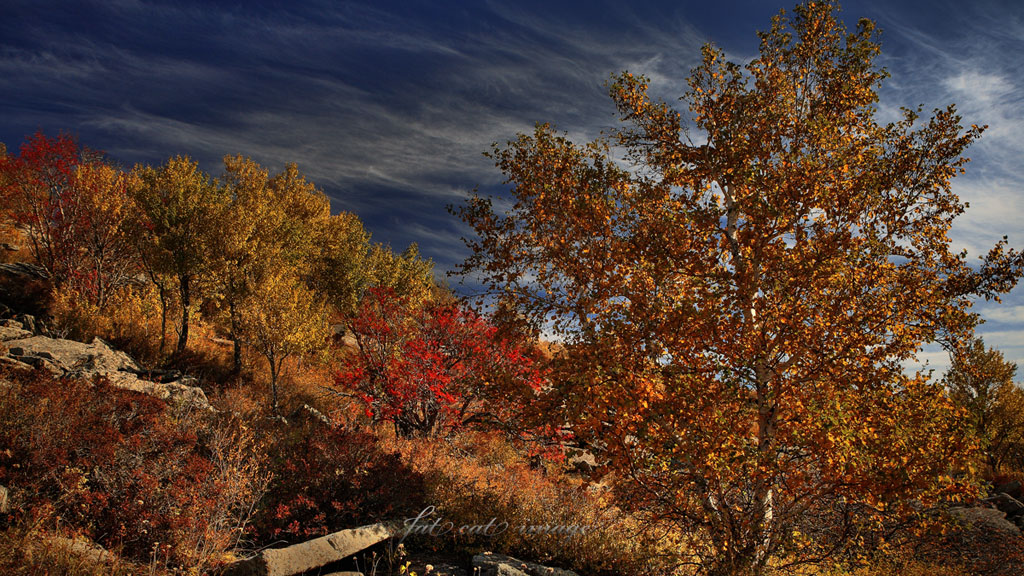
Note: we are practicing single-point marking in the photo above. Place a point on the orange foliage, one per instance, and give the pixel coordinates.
(737, 312)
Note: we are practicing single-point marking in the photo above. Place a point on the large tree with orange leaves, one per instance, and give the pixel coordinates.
(738, 305)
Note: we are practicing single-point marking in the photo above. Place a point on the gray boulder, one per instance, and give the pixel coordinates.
(68, 358)
(1006, 503)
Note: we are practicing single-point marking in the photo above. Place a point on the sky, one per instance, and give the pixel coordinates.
(388, 106)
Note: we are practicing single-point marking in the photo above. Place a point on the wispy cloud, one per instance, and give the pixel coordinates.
(388, 106)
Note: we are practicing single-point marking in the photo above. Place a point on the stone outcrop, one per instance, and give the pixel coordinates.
(1008, 505)
(985, 519)
(68, 358)
(498, 565)
(25, 270)
(5, 506)
(313, 554)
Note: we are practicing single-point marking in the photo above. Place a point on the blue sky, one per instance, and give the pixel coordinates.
(388, 106)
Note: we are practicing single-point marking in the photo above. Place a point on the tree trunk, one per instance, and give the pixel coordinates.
(274, 368)
(186, 303)
(237, 366)
(163, 317)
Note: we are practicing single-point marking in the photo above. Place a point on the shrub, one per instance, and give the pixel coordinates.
(122, 468)
(432, 369)
(130, 320)
(328, 478)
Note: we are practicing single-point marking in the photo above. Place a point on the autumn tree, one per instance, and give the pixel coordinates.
(243, 242)
(981, 381)
(269, 222)
(339, 263)
(180, 207)
(39, 187)
(282, 318)
(269, 238)
(74, 208)
(737, 306)
(106, 215)
(429, 368)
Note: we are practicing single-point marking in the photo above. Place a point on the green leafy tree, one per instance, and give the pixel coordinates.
(180, 207)
(737, 306)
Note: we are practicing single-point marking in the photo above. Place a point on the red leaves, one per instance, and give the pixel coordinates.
(74, 208)
(436, 368)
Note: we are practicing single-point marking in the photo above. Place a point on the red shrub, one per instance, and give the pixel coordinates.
(120, 467)
(437, 368)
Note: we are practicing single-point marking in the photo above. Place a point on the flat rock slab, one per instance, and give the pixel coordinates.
(80, 360)
(10, 332)
(312, 554)
(499, 565)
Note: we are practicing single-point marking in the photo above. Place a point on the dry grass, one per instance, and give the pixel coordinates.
(30, 551)
(478, 477)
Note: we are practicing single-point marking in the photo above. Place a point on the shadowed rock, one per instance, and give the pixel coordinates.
(498, 565)
(986, 519)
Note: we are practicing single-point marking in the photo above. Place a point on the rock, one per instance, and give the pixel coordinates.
(498, 565)
(81, 547)
(444, 570)
(79, 360)
(5, 505)
(27, 321)
(1006, 503)
(11, 323)
(581, 461)
(308, 411)
(312, 554)
(25, 269)
(986, 519)
(12, 333)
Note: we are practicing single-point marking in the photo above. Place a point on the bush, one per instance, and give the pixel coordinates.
(328, 479)
(130, 320)
(126, 471)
